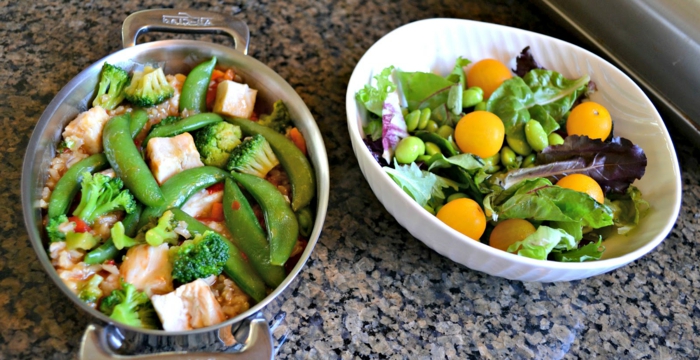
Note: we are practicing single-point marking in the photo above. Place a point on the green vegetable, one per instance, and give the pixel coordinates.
(201, 257)
(627, 209)
(432, 126)
(424, 118)
(130, 307)
(445, 131)
(236, 267)
(481, 106)
(164, 231)
(592, 251)
(540, 243)
(536, 136)
(457, 75)
(148, 87)
(81, 240)
(280, 120)
(101, 194)
(127, 162)
(373, 97)
(423, 89)
(432, 149)
(508, 158)
(253, 156)
(215, 142)
(419, 184)
(454, 99)
(529, 160)
(108, 250)
(102, 253)
(373, 130)
(446, 146)
(297, 166)
(53, 228)
(69, 184)
(119, 238)
(180, 187)
(187, 124)
(280, 220)
(519, 145)
(465, 161)
(472, 96)
(89, 291)
(195, 87)
(408, 150)
(305, 218)
(110, 88)
(555, 139)
(139, 118)
(412, 120)
(248, 236)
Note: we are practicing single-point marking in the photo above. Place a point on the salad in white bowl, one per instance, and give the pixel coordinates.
(511, 148)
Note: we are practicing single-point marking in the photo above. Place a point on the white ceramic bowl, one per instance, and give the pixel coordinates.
(433, 45)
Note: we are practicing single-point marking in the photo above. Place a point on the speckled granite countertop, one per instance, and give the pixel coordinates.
(370, 290)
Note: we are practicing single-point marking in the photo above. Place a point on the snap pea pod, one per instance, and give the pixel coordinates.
(248, 235)
(181, 186)
(194, 89)
(281, 223)
(236, 267)
(139, 118)
(69, 184)
(107, 250)
(127, 162)
(187, 124)
(298, 168)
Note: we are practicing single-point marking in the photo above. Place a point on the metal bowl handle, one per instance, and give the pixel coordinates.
(181, 21)
(95, 345)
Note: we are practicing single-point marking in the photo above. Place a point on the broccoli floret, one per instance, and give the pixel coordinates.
(90, 290)
(53, 228)
(130, 306)
(280, 120)
(253, 156)
(120, 239)
(148, 87)
(215, 142)
(110, 89)
(201, 257)
(101, 194)
(164, 231)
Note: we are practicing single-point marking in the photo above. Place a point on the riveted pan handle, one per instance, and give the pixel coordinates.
(257, 344)
(185, 21)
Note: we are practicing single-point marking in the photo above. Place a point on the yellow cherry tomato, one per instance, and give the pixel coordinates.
(510, 231)
(583, 183)
(590, 119)
(465, 216)
(488, 74)
(480, 133)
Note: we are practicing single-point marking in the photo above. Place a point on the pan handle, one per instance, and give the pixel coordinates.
(185, 21)
(257, 345)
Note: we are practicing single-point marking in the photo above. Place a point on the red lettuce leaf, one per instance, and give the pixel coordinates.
(525, 62)
(614, 164)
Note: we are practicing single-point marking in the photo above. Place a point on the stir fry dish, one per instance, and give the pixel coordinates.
(521, 160)
(171, 204)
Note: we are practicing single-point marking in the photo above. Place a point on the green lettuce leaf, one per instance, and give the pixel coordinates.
(465, 161)
(373, 130)
(423, 90)
(418, 184)
(457, 75)
(627, 209)
(592, 251)
(373, 97)
(540, 243)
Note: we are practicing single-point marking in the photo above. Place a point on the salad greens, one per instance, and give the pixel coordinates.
(568, 223)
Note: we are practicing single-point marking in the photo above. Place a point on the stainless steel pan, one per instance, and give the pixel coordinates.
(248, 334)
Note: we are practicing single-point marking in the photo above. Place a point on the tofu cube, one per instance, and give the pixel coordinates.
(85, 131)
(190, 306)
(169, 156)
(235, 99)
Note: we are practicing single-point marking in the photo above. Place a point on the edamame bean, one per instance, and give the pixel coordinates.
(432, 126)
(456, 196)
(520, 146)
(529, 160)
(423, 158)
(429, 209)
(445, 131)
(535, 135)
(424, 118)
(408, 149)
(412, 120)
(492, 160)
(472, 96)
(555, 139)
(508, 157)
(432, 149)
(481, 106)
